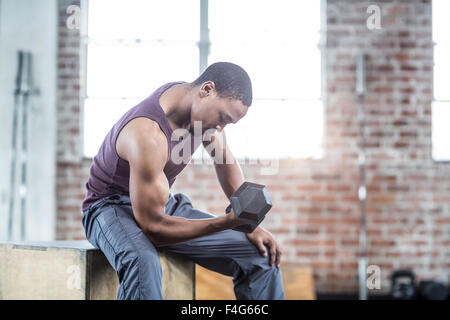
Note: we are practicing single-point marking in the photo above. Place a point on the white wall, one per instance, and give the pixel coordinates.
(30, 25)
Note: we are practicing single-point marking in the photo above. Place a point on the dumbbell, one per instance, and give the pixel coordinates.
(250, 204)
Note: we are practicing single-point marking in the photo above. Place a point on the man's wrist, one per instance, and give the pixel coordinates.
(223, 223)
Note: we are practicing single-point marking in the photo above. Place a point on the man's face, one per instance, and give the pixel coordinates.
(215, 112)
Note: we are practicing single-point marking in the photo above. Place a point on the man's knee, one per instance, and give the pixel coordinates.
(256, 263)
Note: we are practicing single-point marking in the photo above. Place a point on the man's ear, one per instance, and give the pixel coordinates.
(207, 88)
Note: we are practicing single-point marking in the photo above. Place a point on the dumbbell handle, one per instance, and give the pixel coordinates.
(246, 228)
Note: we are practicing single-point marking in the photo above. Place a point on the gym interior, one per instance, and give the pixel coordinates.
(347, 129)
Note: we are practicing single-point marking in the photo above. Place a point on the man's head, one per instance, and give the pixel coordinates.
(222, 95)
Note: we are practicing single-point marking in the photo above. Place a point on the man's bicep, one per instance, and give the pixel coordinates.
(149, 188)
(149, 197)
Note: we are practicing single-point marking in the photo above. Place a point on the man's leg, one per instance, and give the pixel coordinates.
(230, 253)
(113, 230)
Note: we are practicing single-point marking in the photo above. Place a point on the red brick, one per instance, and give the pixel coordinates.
(323, 198)
(306, 254)
(310, 188)
(309, 209)
(383, 199)
(307, 243)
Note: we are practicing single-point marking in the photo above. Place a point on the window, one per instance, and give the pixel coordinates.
(278, 43)
(441, 103)
(135, 46)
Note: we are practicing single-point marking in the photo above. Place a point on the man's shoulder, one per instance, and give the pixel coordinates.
(141, 133)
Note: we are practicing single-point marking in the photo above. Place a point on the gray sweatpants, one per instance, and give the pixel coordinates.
(110, 226)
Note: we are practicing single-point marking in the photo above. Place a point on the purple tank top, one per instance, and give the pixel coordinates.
(110, 174)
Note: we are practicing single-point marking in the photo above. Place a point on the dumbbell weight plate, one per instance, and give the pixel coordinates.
(247, 228)
(251, 202)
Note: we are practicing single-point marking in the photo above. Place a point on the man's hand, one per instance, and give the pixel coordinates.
(261, 237)
(232, 221)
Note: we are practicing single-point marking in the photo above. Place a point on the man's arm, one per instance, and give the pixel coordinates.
(144, 146)
(228, 170)
(230, 176)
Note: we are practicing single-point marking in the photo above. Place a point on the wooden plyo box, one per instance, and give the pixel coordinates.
(298, 284)
(75, 270)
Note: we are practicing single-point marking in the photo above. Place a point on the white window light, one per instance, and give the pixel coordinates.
(441, 81)
(130, 55)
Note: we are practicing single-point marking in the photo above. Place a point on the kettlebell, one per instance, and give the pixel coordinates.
(403, 285)
(432, 290)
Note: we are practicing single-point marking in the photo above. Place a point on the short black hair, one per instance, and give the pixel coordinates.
(231, 81)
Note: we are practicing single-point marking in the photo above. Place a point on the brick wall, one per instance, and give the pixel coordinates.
(316, 211)
(71, 170)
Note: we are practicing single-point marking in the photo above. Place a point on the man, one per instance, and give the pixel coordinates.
(129, 211)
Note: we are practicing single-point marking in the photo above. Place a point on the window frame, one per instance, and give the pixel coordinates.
(434, 99)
